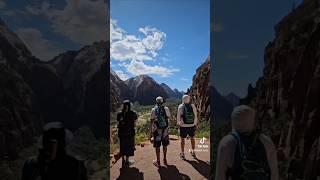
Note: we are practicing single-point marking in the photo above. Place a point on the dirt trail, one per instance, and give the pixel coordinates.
(195, 169)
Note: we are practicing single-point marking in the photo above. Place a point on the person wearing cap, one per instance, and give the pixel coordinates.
(160, 115)
(246, 152)
(53, 162)
(126, 132)
(187, 121)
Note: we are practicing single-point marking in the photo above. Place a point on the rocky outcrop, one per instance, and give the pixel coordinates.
(145, 89)
(123, 90)
(20, 111)
(288, 95)
(199, 91)
(83, 77)
(222, 108)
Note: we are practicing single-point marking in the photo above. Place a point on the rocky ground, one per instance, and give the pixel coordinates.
(177, 169)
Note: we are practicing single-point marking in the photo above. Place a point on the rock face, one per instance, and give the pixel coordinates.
(123, 90)
(145, 89)
(83, 77)
(222, 108)
(288, 95)
(199, 91)
(21, 118)
(175, 94)
(71, 89)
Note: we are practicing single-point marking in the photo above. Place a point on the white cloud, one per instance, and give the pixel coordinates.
(116, 33)
(37, 44)
(130, 47)
(2, 4)
(184, 79)
(131, 51)
(4, 11)
(123, 76)
(154, 39)
(138, 68)
(82, 21)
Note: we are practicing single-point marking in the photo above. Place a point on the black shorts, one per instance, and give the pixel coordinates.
(161, 136)
(127, 145)
(187, 131)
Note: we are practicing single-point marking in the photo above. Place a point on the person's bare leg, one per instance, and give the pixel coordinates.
(158, 154)
(182, 144)
(193, 143)
(164, 152)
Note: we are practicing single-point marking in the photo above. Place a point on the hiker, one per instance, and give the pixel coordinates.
(160, 115)
(246, 153)
(53, 162)
(126, 132)
(187, 120)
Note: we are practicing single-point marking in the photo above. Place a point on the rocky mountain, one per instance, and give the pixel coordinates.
(71, 88)
(145, 89)
(233, 99)
(199, 91)
(287, 96)
(82, 74)
(175, 93)
(122, 88)
(24, 83)
(222, 107)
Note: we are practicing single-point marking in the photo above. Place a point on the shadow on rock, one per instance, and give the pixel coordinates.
(130, 173)
(202, 167)
(171, 172)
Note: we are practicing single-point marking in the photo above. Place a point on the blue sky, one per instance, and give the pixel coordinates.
(166, 39)
(241, 32)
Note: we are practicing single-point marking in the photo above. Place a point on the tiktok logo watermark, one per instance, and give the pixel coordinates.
(202, 146)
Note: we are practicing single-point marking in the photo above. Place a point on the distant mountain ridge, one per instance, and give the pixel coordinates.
(175, 93)
(233, 99)
(143, 89)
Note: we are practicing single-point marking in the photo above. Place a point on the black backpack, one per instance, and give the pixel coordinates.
(250, 158)
(161, 117)
(188, 115)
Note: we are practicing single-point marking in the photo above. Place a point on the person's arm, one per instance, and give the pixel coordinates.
(195, 115)
(179, 116)
(224, 158)
(152, 118)
(168, 112)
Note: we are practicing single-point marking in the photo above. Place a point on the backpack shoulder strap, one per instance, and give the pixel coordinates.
(163, 108)
(241, 146)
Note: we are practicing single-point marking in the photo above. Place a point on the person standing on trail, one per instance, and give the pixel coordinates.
(160, 115)
(246, 153)
(187, 120)
(126, 132)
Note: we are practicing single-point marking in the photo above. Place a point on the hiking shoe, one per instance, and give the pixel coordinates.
(182, 156)
(156, 163)
(165, 162)
(129, 163)
(193, 154)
